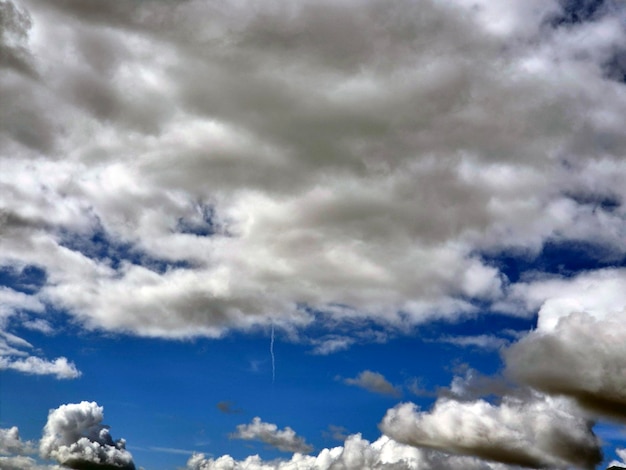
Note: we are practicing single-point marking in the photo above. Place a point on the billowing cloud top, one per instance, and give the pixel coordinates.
(75, 436)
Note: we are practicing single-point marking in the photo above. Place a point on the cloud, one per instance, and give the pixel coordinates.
(374, 382)
(355, 454)
(10, 443)
(75, 437)
(479, 341)
(228, 407)
(621, 453)
(24, 463)
(61, 368)
(581, 357)
(544, 432)
(15, 354)
(285, 439)
(358, 176)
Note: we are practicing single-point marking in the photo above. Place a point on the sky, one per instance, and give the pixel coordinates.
(312, 234)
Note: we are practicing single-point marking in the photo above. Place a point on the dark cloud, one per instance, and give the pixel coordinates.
(228, 407)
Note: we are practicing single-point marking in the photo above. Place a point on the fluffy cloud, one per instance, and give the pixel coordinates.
(544, 432)
(10, 442)
(76, 438)
(374, 382)
(283, 439)
(356, 454)
(244, 164)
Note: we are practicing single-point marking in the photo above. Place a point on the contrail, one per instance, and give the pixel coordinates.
(272, 353)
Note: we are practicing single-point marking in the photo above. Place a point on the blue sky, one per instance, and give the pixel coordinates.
(355, 234)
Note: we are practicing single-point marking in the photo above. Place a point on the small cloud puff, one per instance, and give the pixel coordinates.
(285, 440)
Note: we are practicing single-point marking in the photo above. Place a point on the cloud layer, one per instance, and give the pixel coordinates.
(223, 164)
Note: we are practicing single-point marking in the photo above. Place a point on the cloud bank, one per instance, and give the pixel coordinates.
(229, 166)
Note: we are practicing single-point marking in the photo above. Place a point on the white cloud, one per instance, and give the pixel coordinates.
(363, 169)
(374, 382)
(544, 432)
(285, 439)
(356, 454)
(75, 437)
(480, 341)
(61, 368)
(10, 443)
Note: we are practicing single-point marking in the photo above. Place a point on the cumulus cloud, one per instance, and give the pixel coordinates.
(285, 439)
(347, 158)
(75, 437)
(582, 356)
(544, 432)
(374, 382)
(356, 454)
(10, 442)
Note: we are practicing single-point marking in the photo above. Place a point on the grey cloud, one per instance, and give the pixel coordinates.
(581, 357)
(75, 437)
(285, 439)
(356, 157)
(374, 382)
(540, 433)
(10, 443)
(228, 407)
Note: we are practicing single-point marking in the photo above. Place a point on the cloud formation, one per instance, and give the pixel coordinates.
(285, 439)
(374, 382)
(545, 432)
(581, 356)
(356, 454)
(75, 437)
(346, 161)
(10, 443)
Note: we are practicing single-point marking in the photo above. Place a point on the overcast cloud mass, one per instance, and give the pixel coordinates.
(355, 168)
